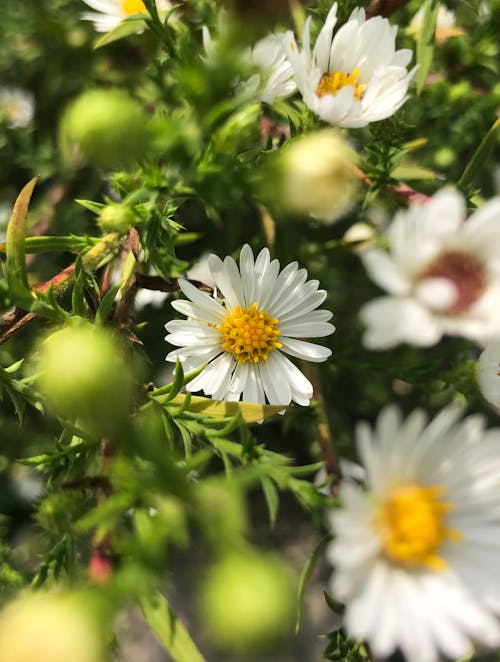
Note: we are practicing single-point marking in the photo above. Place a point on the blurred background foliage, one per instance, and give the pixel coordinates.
(183, 490)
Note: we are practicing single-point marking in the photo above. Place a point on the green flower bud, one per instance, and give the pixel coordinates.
(83, 376)
(105, 127)
(247, 601)
(49, 628)
(116, 218)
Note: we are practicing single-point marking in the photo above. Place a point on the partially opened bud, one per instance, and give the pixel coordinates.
(247, 601)
(50, 628)
(83, 375)
(317, 176)
(104, 127)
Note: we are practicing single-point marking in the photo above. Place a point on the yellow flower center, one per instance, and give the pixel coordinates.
(334, 81)
(249, 334)
(411, 522)
(131, 7)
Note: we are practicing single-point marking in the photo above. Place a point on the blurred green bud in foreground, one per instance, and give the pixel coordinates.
(116, 218)
(45, 627)
(315, 175)
(83, 375)
(107, 128)
(247, 601)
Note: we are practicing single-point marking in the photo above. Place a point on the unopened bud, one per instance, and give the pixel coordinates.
(49, 628)
(83, 376)
(247, 601)
(116, 218)
(107, 128)
(317, 175)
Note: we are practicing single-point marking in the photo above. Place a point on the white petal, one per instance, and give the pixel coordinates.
(391, 320)
(305, 350)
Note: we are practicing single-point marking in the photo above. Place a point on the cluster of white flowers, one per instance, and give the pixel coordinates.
(416, 549)
(349, 80)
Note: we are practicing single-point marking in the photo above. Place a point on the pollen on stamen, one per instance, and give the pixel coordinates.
(411, 522)
(131, 7)
(333, 81)
(249, 334)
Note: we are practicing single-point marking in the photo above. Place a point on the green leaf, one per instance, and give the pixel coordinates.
(125, 28)
(92, 206)
(169, 630)
(426, 41)
(15, 269)
(178, 382)
(409, 170)
(272, 498)
(78, 303)
(249, 411)
(486, 145)
(305, 575)
(105, 306)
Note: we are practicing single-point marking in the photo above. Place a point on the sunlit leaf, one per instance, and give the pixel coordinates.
(250, 412)
(426, 41)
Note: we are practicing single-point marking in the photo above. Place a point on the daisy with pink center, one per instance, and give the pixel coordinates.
(441, 272)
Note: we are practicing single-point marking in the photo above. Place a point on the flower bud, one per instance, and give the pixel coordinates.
(317, 175)
(116, 218)
(107, 128)
(83, 376)
(49, 628)
(247, 601)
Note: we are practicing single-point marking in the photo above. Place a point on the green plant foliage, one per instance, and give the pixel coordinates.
(147, 147)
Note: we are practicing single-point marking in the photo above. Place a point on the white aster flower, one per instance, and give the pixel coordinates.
(488, 373)
(275, 76)
(355, 78)
(417, 553)
(17, 107)
(109, 13)
(442, 273)
(242, 339)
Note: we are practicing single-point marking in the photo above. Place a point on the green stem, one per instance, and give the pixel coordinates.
(58, 243)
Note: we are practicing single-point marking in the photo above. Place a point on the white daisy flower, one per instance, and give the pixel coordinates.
(356, 77)
(109, 13)
(275, 76)
(442, 275)
(417, 553)
(243, 338)
(17, 107)
(488, 373)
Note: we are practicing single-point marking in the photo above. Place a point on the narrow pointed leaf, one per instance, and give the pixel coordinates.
(15, 269)
(250, 411)
(169, 630)
(426, 42)
(125, 28)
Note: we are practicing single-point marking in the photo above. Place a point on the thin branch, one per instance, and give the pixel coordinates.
(384, 7)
